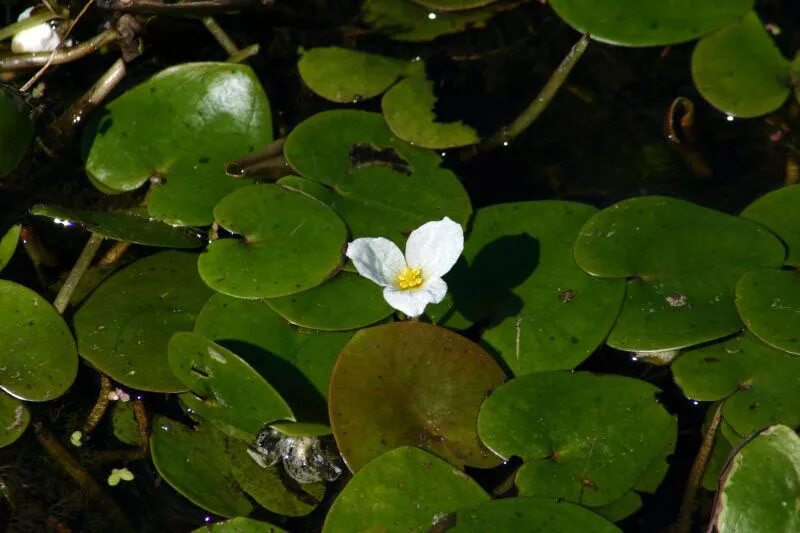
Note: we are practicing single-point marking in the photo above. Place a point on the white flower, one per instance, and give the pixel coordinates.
(412, 282)
(40, 38)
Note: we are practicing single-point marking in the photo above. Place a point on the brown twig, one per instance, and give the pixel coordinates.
(100, 406)
(199, 7)
(114, 253)
(57, 57)
(144, 425)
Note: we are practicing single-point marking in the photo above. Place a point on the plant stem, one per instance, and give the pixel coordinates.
(34, 20)
(100, 406)
(59, 56)
(696, 474)
(84, 260)
(542, 100)
(219, 34)
(144, 425)
(263, 162)
(244, 54)
(114, 253)
(199, 7)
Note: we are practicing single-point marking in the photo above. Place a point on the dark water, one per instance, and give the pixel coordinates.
(601, 140)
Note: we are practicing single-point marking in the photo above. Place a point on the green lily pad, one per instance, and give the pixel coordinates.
(453, 5)
(769, 304)
(223, 388)
(740, 70)
(195, 462)
(649, 23)
(289, 243)
(16, 130)
(533, 515)
(124, 424)
(779, 211)
(407, 21)
(683, 262)
(8, 245)
(297, 362)
(348, 76)
(181, 126)
(544, 312)
(620, 509)
(14, 419)
(411, 383)
(240, 524)
(301, 429)
(760, 487)
(379, 185)
(408, 110)
(759, 384)
(273, 490)
(585, 438)
(124, 326)
(346, 301)
(131, 226)
(39, 361)
(405, 489)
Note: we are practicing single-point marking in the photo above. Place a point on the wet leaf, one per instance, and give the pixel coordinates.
(346, 301)
(289, 242)
(638, 23)
(300, 429)
(379, 185)
(769, 304)
(408, 110)
(348, 76)
(124, 424)
(543, 311)
(585, 438)
(240, 524)
(682, 261)
(411, 383)
(8, 245)
(779, 211)
(181, 126)
(297, 362)
(740, 70)
(405, 489)
(533, 515)
(14, 419)
(123, 327)
(131, 226)
(39, 361)
(761, 485)
(622, 508)
(16, 131)
(453, 5)
(223, 388)
(760, 385)
(195, 462)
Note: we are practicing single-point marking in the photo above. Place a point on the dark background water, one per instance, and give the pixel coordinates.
(600, 140)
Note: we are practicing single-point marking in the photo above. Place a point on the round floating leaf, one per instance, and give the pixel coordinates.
(533, 515)
(779, 211)
(453, 5)
(38, 361)
(740, 70)
(759, 384)
(649, 23)
(301, 429)
(405, 489)
(224, 389)
(8, 245)
(16, 130)
(195, 462)
(411, 383)
(622, 508)
(346, 301)
(182, 126)
(123, 327)
(131, 226)
(272, 489)
(289, 243)
(348, 76)
(585, 438)
(379, 185)
(240, 524)
(761, 485)
(408, 110)
(769, 304)
(684, 261)
(407, 21)
(544, 312)
(124, 424)
(14, 419)
(297, 362)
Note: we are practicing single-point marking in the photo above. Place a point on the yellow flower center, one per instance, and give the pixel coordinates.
(409, 278)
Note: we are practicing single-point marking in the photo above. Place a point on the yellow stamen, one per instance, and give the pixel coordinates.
(409, 278)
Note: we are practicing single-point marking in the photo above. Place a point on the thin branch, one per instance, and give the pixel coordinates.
(57, 57)
(84, 260)
(200, 7)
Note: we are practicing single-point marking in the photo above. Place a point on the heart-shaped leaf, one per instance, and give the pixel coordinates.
(14, 419)
(769, 304)
(124, 424)
(289, 243)
(16, 130)
(779, 211)
(8, 245)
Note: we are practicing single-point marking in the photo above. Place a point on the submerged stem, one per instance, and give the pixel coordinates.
(34, 20)
(100, 406)
(244, 54)
(219, 34)
(542, 100)
(84, 260)
(267, 162)
(58, 57)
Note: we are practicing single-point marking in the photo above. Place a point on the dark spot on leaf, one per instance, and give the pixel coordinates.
(366, 155)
